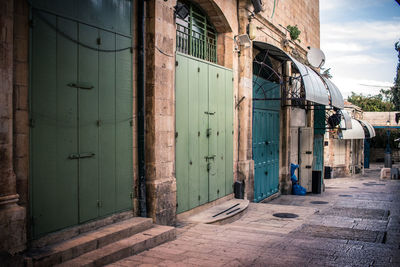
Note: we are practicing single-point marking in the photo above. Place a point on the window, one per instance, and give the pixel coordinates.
(195, 36)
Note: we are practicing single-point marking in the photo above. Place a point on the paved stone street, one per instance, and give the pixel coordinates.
(355, 222)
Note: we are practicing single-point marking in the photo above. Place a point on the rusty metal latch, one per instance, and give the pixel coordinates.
(81, 155)
(81, 85)
(308, 166)
(308, 152)
(210, 157)
(209, 113)
(209, 132)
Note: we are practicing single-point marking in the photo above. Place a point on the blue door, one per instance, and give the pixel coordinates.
(367, 144)
(265, 138)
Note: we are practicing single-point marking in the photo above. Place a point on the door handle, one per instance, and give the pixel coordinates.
(81, 85)
(267, 142)
(81, 155)
(210, 157)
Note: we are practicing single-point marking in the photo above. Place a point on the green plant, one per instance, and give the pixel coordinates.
(294, 32)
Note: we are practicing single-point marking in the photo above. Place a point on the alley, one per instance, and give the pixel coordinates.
(355, 222)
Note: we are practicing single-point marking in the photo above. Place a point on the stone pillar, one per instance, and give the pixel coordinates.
(12, 216)
(160, 111)
(245, 171)
(285, 184)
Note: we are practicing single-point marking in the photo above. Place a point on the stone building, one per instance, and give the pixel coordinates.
(344, 153)
(77, 145)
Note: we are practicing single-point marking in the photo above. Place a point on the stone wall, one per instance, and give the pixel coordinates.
(13, 77)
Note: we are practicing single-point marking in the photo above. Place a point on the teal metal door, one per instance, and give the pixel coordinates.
(318, 163)
(80, 113)
(204, 130)
(265, 138)
(367, 145)
(319, 131)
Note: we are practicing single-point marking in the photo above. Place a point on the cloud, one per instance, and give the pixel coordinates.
(364, 86)
(376, 33)
(329, 5)
(344, 46)
(357, 59)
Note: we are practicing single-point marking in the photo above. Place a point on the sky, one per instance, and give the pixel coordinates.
(357, 37)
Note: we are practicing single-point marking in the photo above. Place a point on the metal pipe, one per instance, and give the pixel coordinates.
(141, 108)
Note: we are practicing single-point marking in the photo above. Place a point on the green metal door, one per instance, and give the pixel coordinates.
(265, 138)
(204, 129)
(80, 112)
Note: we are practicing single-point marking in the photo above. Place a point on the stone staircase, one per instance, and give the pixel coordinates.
(104, 245)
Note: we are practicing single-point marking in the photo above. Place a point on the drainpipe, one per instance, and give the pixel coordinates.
(141, 109)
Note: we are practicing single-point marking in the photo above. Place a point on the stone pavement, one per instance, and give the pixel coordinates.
(355, 222)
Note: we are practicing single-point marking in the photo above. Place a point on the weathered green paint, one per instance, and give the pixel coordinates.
(53, 137)
(204, 124)
(67, 120)
(265, 138)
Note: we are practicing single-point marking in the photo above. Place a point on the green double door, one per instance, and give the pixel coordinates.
(81, 116)
(204, 132)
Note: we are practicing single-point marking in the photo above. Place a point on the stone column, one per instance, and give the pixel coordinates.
(160, 111)
(12, 216)
(245, 171)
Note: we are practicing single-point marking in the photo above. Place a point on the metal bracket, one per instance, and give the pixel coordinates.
(209, 113)
(210, 157)
(81, 155)
(209, 132)
(81, 86)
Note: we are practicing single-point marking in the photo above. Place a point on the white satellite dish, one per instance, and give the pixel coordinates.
(316, 57)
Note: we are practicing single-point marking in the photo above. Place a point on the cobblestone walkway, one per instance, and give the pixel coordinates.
(355, 222)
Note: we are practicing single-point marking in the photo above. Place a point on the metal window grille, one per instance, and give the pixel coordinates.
(195, 36)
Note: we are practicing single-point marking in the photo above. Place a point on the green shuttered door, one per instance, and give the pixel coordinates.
(204, 130)
(81, 134)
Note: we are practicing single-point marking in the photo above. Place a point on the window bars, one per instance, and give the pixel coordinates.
(195, 36)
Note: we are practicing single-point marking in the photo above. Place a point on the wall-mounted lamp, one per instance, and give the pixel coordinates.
(251, 30)
(387, 123)
(243, 40)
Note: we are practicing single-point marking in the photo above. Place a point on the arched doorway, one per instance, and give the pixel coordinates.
(267, 83)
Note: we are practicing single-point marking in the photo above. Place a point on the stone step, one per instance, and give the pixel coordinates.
(72, 248)
(124, 248)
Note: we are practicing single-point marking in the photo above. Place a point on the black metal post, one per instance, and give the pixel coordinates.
(141, 108)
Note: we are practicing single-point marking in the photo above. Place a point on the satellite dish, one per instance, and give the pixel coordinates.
(316, 57)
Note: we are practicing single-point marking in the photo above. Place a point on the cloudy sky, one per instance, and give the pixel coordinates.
(357, 37)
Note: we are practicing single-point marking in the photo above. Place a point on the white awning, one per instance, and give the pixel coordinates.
(346, 122)
(336, 96)
(369, 127)
(313, 85)
(356, 132)
(315, 89)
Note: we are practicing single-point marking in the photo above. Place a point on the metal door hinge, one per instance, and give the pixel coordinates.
(208, 167)
(32, 23)
(99, 204)
(81, 85)
(98, 41)
(176, 134)
(99, 123)
(210, 157)
(81, 155)
(176, 63)
(209, 132)
(32, 123)
(131, 195)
